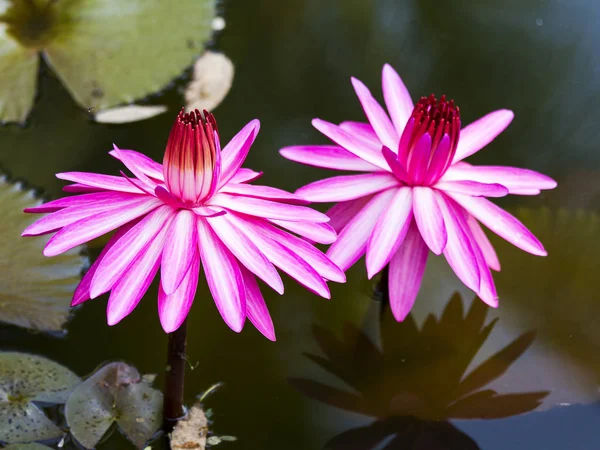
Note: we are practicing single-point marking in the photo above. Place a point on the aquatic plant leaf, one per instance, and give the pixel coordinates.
(19, 69)
(116, 393)
(32, 446)
(213, 75)
(26, 380)
(111, 52)
(129, 113)
(35, 291)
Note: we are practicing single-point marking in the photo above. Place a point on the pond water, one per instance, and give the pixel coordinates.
(293, 60)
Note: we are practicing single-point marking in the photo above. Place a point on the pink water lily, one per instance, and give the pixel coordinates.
(417, 194)
(196, 209)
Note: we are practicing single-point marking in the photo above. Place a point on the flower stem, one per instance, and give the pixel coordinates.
(174, 408)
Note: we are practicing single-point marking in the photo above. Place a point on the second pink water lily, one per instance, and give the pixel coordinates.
(417, 193)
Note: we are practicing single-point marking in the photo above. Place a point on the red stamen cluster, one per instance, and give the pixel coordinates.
(436, 118)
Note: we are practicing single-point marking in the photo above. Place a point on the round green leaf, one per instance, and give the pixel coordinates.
(35, 291)
(115, 393)
(24, 380)
(114, 51)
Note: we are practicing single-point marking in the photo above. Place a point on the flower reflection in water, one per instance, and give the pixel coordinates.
(416, 380)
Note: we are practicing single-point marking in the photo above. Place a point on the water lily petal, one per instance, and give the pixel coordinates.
(480, 133)
(265, 192)
(397, 168)
(100, 181)
(406, 272)
(245, 175)
(223, 276)
(418, 160)
(429, 219)
(473, 188)
(80, 200)
(343, 212)
(145, 164)
(322, 233)
(397, 98)
(389, 231)
(489, 254)
(327, 156)
(256, 308)
(363, 131)
(235, 152)
(179, 250)
(347, 187)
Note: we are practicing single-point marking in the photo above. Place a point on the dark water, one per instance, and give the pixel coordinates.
(293, 58)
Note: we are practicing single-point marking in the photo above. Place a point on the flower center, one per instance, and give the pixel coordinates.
(429, 140)
(192, 163)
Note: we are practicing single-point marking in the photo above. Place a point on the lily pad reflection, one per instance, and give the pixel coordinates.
(26, 381)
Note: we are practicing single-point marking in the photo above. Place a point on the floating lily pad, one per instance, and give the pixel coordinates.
(35, 291)
(114, 394)
(105, 52)
(25, 381)
(213, 75)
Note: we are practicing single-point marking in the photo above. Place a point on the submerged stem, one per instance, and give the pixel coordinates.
(174, 408)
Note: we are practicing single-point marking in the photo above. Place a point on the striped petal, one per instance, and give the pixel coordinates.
(256, 308)
(429, 219)
(406, 272)
(377, 116)
(515, 179)
(480, 133)
(342, 213)
(489, 254)
(322, 233)
(397, 168)
(458, 251)
(500, 222)
(174, 308)
(327, 156)
(81, 200)
(352, 241)
(347, 187)
(473, 188)
(418, 160)
(246, 251)
(389, 231)
(120, 257)
(223, 276)
(100, 181)
(180, 249)
(267, 209)
(363, 131)
(245, 175)
(130, 161)
(87, 229)
(147, 165)
(264, 192)
(368, 152)
(397, 98)
(131, 287)
(234, 154)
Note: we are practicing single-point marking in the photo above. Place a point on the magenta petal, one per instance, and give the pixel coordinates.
(377, 116)
(223, 276)
(120, 257)
(363, 131)
(473, 188)
(87, 229)
(174, 308)
(147, 165)
(489, 254)
(480, 133)
(327, 156)
(79, 200)
(179, 250)
(265, 208)
(418, 160)
(317, 260)
(458, 251)
(389, 231)
(342, 213)
(347, 187)
(500, 222)
(356, 146)
(429, 219)
(282, 256)
(130, 161)
(397, 168)
(256, 309)
(406, 272)
(78, 188)
(76, 213)
(322, 233)
(131, 287)
(517, 180)
(246, 251)
(265, 192)
(439, 161)
(397, 98)
(234, 154)
(352, 241)
(245, 175)
(207, 211)
(100, 181)
(82, 292)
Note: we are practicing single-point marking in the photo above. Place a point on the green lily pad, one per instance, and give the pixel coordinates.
(35, 291)
(105, 52)
(25, 381)
(114, 394)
